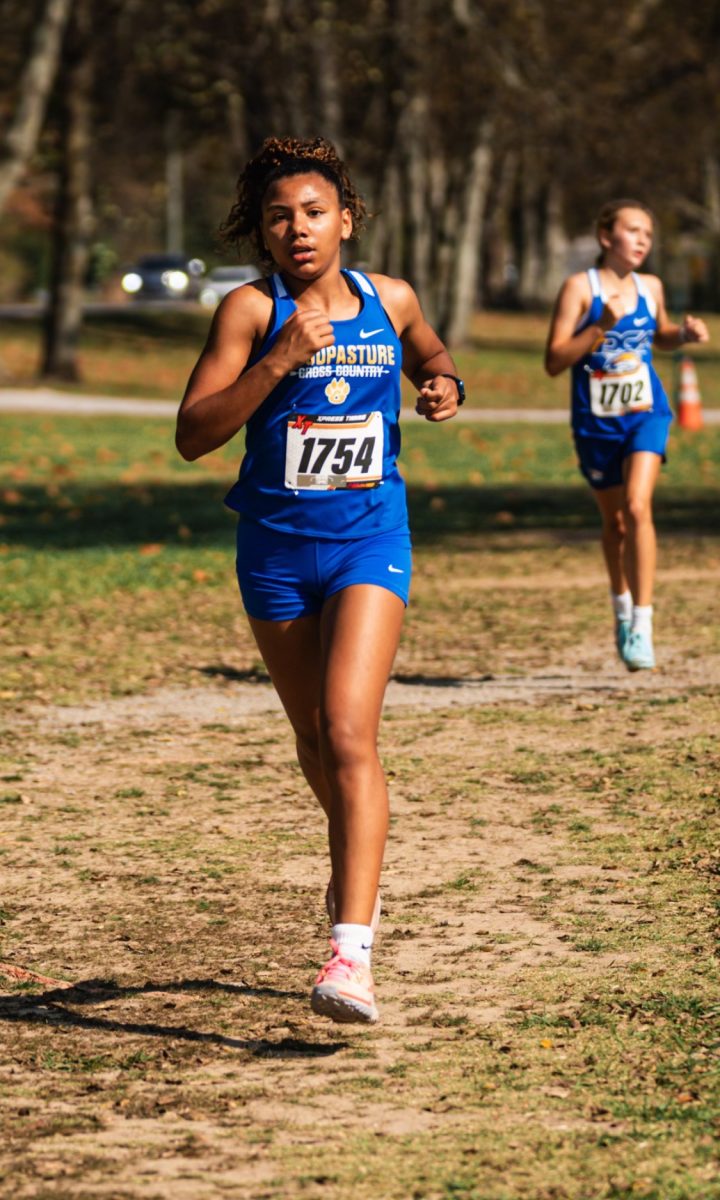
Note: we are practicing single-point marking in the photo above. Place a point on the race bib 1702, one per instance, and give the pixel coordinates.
(328, 452)
(613, 395)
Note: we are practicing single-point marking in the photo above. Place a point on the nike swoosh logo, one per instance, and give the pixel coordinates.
(395, 570)
(365, 333)
(639, 320)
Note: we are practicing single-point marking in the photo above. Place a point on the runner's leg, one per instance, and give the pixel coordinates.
(292, 653)
(360, 633)
(641, 471)
(330, 673)
(611, 503)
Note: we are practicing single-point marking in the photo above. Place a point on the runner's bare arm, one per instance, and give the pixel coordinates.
(669, 335)
(426, 361)
(565, 347)
(222, 395)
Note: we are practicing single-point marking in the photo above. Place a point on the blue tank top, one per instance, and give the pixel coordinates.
(321, 450)
(616, 386)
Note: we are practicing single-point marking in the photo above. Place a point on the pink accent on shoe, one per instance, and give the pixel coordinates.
(330, 906)
(344, 990)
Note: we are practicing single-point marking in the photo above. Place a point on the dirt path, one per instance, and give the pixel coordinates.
(233, 703)
(171, 866)
(48, 400)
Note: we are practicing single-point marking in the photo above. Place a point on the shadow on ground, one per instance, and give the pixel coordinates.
(117, 515)
(60, 1007)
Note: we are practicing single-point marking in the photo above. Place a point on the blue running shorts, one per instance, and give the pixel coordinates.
(284, 575)
(601, 458)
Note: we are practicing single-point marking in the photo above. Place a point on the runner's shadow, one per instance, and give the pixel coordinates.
(93, 991)
(237, 676)
(52, 1007)
(440, 681)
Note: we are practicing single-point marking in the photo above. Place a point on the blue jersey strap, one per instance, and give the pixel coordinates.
(278, 288)
(363, 283)
(595, 286)
(283, 306)
(644, 292)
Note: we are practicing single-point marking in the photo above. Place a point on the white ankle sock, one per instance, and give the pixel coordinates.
(642, 619)
(622, 605)
(354, 941)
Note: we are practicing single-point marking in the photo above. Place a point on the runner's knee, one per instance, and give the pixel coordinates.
(346, 742)
(638, 510)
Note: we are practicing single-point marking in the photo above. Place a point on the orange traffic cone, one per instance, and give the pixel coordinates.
(687, 395)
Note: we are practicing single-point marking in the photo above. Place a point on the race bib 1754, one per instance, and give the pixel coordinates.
(328, 452)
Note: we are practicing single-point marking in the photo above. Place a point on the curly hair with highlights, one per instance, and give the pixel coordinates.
(278, 158)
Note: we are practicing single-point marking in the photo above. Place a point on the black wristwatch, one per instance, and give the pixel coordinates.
(459, 385)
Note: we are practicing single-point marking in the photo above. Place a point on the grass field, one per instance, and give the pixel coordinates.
(547, 963)
(134, 355)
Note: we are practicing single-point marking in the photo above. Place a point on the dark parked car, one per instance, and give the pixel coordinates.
(164, 277)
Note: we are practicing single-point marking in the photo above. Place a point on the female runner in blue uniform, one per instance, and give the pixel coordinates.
(308, 360)
(603, 328)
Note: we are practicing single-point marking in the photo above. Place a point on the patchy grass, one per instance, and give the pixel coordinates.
(103, 527)
(138, 353)
(133, 353)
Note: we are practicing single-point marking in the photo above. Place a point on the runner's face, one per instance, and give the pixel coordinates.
(303, 224)
(629, 241)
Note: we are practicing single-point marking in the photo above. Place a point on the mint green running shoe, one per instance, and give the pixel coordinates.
(638, 654)
(622, 633)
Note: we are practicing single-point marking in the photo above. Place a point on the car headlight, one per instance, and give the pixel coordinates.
(131, 283)
(175, 281)
(209, 297)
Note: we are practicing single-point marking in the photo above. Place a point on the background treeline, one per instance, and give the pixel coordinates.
(484, 133)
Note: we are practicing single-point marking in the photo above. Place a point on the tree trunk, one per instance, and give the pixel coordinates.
(35, 86)
(712, 207)
(412, 144)
(265, 109)
(443, 224)
(329, 98)
(556, 243)
(385, 231)
(236, 128)
(530, 231)
(294, 82)
(75, 217)
(498, 283)
(465, 278)
(174, 198)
